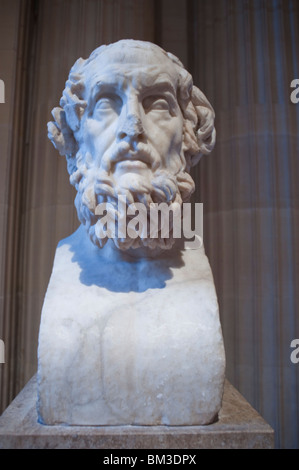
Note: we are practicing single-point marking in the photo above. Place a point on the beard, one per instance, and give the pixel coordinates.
(98, 185)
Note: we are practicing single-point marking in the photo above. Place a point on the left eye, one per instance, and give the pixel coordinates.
(156, 104)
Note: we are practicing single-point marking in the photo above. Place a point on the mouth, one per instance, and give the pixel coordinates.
(130, 165)
(133, 161)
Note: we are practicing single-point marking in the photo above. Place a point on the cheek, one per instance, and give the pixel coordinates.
(97, 136)
(166, 134)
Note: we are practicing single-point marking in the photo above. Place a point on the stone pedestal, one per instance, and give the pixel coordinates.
(239, 427)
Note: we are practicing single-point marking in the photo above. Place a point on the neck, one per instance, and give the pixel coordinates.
(137, 253)
(110, 251)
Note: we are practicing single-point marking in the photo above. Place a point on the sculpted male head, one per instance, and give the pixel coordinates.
(131, 123)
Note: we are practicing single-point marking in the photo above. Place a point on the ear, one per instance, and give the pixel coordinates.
(61, 135)
(199, 130)
(205, 131)
(190, 147)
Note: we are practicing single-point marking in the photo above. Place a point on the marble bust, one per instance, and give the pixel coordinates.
(130, 331)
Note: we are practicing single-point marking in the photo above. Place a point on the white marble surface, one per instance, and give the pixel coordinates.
(131, 123)
(131, 342)
(130, 330)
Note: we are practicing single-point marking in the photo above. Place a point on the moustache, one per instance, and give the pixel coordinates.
(124, 151)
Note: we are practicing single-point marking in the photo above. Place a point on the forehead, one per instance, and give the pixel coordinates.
(120, 67)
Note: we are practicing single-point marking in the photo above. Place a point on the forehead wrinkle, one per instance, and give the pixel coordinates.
(159, 87)
(141, 81)
(162, 80)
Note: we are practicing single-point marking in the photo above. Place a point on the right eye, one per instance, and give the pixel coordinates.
(107, 103)
(104, 103)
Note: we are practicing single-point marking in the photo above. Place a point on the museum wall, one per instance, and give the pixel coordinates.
(243, 54)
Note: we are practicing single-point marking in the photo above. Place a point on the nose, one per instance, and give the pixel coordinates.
(130, 125)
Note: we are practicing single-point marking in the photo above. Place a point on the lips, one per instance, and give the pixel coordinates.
(131, 165)
(133, 160)
(124, 155)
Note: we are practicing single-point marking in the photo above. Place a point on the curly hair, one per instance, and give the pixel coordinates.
(199, 130)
